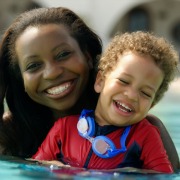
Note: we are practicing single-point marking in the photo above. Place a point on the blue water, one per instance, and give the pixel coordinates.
(168, 110)
(10, 169)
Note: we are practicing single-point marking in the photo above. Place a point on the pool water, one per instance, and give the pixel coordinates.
(168, 110)
(16, 169)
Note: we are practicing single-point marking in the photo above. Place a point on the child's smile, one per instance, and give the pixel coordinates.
(126, 94)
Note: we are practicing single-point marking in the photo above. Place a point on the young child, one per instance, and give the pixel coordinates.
(133, 75)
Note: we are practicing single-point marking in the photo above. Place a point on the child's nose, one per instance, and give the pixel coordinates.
(132, 94)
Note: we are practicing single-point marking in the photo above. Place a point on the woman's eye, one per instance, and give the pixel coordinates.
(63, 55)
(33, 66)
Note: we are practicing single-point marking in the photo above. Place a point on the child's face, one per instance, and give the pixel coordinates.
(54, 69)
(127, 92)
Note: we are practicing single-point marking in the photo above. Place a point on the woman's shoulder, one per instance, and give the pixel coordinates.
(7, 116)
(8, 135)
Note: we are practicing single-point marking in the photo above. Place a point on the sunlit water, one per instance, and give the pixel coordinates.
(20, 170)
(168, 110)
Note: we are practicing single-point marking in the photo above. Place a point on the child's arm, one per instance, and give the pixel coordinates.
(154, 154)
(49, 148)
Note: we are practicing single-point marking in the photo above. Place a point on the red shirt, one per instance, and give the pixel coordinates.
(144, 147)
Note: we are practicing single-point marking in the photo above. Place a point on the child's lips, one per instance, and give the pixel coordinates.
(124, 107)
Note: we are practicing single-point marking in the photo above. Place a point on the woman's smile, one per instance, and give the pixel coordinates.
(55, 70)
(60, 90)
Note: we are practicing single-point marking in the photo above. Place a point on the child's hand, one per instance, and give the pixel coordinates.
(52, 162)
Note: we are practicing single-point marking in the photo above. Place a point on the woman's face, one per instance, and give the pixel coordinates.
(54, 69)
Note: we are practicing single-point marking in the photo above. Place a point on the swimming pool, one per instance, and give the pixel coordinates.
(17, 169)
(168, 110)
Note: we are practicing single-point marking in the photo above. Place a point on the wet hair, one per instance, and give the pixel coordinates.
(145, 44)
(23, 132)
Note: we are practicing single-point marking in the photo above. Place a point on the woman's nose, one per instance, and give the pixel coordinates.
(52, 71)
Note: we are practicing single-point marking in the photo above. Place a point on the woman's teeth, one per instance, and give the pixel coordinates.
(58, 89)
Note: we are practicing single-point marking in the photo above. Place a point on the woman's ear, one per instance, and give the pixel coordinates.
(99, 82)
(89, 60)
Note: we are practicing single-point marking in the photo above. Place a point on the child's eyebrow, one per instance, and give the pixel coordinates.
(148, 86)
(151, 88)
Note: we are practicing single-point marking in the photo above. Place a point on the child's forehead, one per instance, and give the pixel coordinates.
(131, 60)
(110, 66)
(133, 53)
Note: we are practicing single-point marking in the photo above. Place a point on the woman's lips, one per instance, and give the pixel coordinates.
(61, 90)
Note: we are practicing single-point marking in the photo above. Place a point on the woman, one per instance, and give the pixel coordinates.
(46, 65)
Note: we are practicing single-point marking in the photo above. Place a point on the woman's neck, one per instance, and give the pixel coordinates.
(74, 110)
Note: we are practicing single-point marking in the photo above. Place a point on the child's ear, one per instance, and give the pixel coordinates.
(152, 105)
(99, 82)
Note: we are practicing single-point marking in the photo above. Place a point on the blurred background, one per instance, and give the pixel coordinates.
(106, 17)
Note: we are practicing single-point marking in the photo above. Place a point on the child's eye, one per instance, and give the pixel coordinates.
(63, 55)
(123, 81)
(146, 94)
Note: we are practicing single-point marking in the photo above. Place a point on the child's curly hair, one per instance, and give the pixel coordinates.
(143, 43)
